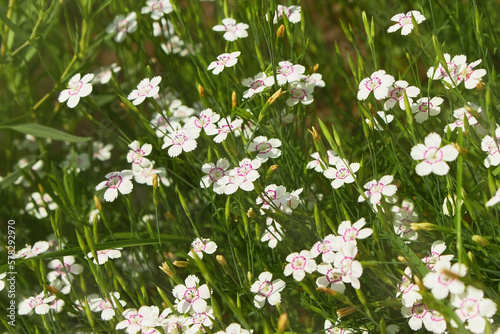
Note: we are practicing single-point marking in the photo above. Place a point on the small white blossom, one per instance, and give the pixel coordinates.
(137, 153)
(191, 295)
(404, 21)
(145, 88)
(39, 303)
(39, 204)
(375, 190)
(104, 74)
(198, 320)
(434, 156)
(257, 84)
(224, 60)
(300, 93)
(144, 319)
(315, 79)
(327, 248)
(64, 270)
(348, 232)
(104, 255)
(332, 278)
(417, 313)
(78, 87)
(470, 76)
(224, 127)
(318, 164)
(234, 328)
(100, 151)
(473, 308)
(373, 122)
(437, 248)
(495, 199)
(272, 235)
(341, 173)
(200, 246)
(444, 280)
(122, 25)
(292, 13)
(117, 181)
(350, 268)
(379, 82)
(105, 306)
(397, 94)
(206, 121)
(214, 172)
(491, 146)
(299, 264)
(461, 114)
(233, 30)
(157, 8)
(267, 289)
(450, 74)
(180, 140)
(265, 148)
(38, 248)
(426, 107)
(288, 72)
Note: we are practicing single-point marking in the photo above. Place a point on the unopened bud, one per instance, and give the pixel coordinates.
(480, 240)
(480, 85)
(221, 259)
(166, 269)
(418, 281)
(249, 276)
(275, 96)
(97, 202)
(234, 99)
(52, 289)
(281, 31)
(315, 68)
(181, 264)
(124, 106)
(372, 110)
(271, 170)
(461, 150)
(346, 311)
(155, 181)
(314, 133)
(201, 90)
(327, 291)
(40, 188)
(401, 258)
(282, 321)
(251, 214)
(422, 226)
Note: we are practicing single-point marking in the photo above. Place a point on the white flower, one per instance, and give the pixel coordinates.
(145, 88)
(470, 76)
(100, 151)
(78, 87)
(257, 84)
(225, 126)
(299, 264)
(490, 145)
(461, 114)
(272, 235)
(450, 74)
(104, 255)
(331, 329)
(437, 248)
(117, 181)
(266, 289)
(64, 270)
(145, 318)
(122, 25)
(234, 328)
(200, 246)
(206, 121)
(434, 156)
(2, 283)
(191, 295)
(137, 154)
(181, 140)
(473, 308)
(291, 201)
(409, 292)
(373, 122)
(104, 74)
(292, 13)
(435, 322)
(224, 60)
(403, 217)
(379, 82)
(417, 313)
(157, 8)
(405, 22)
(375, 190)
(39, 303)
(425, 107)
(39, 205)
(38, 248)
(233, 30)
(318, 164)
(287, 72)
(300, 92)
(332, 278)
(198, 320)
(350, 268)
(495, 199)
(265, 148)
(327, 248)
(105, 306)
(353, 233)
(247, 173)
(397, 94)
(172, 324)
(341, 173)
(143, 174)
(214, 172)
(443, 280)
(315, 79)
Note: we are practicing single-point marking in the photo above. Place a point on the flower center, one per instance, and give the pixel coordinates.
(231, 27)
(222, 60)
(202, 122)
(263, 147)
(216, 174)
(138, 155)
(257, 84)
(271, 194)
(225, 128)
(285, 70)
(433, 155)
(373, 83)
(324, 247)
(445, 279)
(75, 88)
(419, 310)
(397, 93)
(266, 288)
(157, 6)
(145, 90)
(135, 319)
(469, 308)
(405, 20)
(332, 276)
(345, 266)
(342, 173)
(244, 169)
(198, 246)
(298, 93)
(114, 182)
(298, 262)
(191, 295)
(179, 139)
(350, 234)
(122, 26)
(376, 188)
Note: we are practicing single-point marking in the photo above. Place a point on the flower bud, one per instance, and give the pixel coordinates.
(275, 96)
(282, 321)
(315, 68)
(234, 99)
(314, 133)
(461, 150)
(251, 213)
(480, 240)
(281, 31)
(422, 226)
(52, 289)
(97, 202)
(201, 90)
(271, 170)
(346, 311)
(221, 259)
(181, 264)
(480, 85)
(155, 180)
(166, 269)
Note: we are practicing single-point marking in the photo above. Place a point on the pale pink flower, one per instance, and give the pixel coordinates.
(39, 303)
(139, 320)
(145, 88)
(206, 121)
(105, 306)
(233, 30)
(453, 68)
(78, 87)
(437, 248)
(315, 79)
(353, 233)
(224, 60)
(299, 264)
(38, 248)
(409, 291)
(272, 235)
(404, 21)
(198, 320)
(379, 82)
(292, 13)
(434, 156)
(461, 114)
(214, 172)
(435, 322)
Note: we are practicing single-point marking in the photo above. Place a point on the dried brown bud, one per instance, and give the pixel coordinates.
(282, 321)
(155, 180)
(275, 96)
(251, 214)
(315, 68)
(327, 290)
(281, 31)
(480, 85)
(181, 264)
(201, 90)
(234, 99)
(52, 289)
(314, 133)
(97, 202)
(166, 269)
(461, 150)
(273, 168)
(346, 311)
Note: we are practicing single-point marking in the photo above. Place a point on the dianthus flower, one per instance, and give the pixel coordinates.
(397, 94)
(375, 190)
(341, 173)
(181, 140)
(473, 308)
(332, 278)
(373, 122)
(444, 279)
(224, 60)
(461, 114)
(470, 76)
(450, 73)
(225, 126)
(78, 87)
(292, 13)
(146, 318)
(104, 255)
(64, 270)
(491, 146)
(288, 72)
(122, 25)
(350, 268)
(299, 264)
(267, 289)
(191, 296)
(300, 93)
(426, 107)
(233, 30)
(318, 164)
(495, 199)
(257, 84)
(379, 82)
(117, 181)
(38, 248)
(105, 306)
(265, 148)
(348, 232)
(434, 156)
(145, 88)
(137, 153)
(417, 313)
(206, 121)
(39, 303)
(327, 248)
(200, 246)
(157, 8)
(272, 235)
(214, 172)
(437, 248)
(404, 21)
